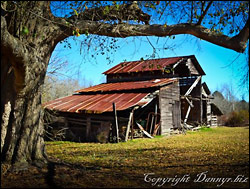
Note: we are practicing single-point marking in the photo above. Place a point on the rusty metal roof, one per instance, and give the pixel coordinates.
(131, 85)
(97, 103)
(150, 65)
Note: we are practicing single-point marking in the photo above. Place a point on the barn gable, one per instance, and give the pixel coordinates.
(184, 66)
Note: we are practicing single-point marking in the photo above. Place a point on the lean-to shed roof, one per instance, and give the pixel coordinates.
(91, 102)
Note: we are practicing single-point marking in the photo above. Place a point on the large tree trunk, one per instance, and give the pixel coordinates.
(22, 128)
(24, 61)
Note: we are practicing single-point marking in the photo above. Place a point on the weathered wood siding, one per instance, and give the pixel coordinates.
(214, 120)
(169, 101)
(191, 67)
(209, 113)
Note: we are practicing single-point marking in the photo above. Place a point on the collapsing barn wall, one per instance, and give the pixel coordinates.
(79, 127)
(195, 115)
(169, 100)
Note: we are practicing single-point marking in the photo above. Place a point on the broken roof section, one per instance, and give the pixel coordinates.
(99, 103)
(152, 65)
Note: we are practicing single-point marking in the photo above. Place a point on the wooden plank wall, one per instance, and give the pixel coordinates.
(191, 67)
(167, 101)
(209, 113)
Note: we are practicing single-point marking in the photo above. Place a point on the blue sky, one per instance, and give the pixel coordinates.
(216, 61)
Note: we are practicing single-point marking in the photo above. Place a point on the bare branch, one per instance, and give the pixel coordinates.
(204, 13)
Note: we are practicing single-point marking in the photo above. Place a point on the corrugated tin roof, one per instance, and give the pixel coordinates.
(97, 103)
(150, 65)
(128, 85)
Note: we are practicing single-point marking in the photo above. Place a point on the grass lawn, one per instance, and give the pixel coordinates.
(209, 158)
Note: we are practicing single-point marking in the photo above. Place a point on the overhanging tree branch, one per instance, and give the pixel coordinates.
(96, 26)
(236, 43)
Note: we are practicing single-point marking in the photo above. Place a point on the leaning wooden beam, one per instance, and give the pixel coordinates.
(190, 98)
(192, 86)
(187, 114)
(190, 103)
(152, 122)
(129, 124)
(155, 119)
(145, 132)
(132, 128)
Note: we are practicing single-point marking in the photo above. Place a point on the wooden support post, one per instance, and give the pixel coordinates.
(129, 124)
(115, 124)
(151, 126)
(153, 120)
(132, 127)
(155, 115)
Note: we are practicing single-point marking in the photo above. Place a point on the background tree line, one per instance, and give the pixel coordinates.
(60, 81)
(236, 111)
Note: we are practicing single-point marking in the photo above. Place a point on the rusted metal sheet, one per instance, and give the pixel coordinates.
(128, 85)
(153, 65)
(144, 65)
(97, 103)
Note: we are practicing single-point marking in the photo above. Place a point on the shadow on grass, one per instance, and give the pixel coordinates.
(50, 175)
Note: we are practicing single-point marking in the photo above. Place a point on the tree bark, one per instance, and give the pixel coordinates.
(237, 43)
(24, 61)
(22, 129)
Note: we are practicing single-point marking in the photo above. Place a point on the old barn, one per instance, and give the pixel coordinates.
(146, 97)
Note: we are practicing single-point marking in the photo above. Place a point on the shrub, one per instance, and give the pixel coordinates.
(240, 118)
